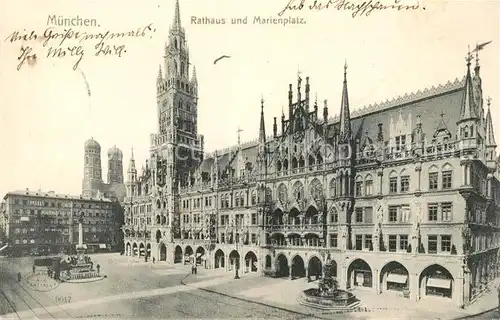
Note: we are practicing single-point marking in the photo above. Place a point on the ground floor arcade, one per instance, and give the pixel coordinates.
(405, 275)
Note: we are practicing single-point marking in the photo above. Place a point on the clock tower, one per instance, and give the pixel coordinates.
(177, 149)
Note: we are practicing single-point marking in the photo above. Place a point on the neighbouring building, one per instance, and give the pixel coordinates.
(47, 223)
(401, 196)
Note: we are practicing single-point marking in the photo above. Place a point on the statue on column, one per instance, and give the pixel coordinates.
(345, 236)
(466, 238)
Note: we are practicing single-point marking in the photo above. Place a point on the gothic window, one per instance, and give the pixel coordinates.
(175, 68)
(368, 185)
(175, 43)
(285, 164)
(316, 189)
(298, 191)
(301, 162)
(294, 163)
(282, 193)
(278, 165)
(182, 68)
(333, 187)
(254, 197)
(269, 194)
(311, 160)
(319, 158)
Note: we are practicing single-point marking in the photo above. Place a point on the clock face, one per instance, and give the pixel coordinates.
(298, 136)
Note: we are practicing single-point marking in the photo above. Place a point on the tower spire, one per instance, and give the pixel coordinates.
(490, 136)
(262, 129)
(177, 16)
(193, 76)
(468, 110)
(239, 138)
(345, 115)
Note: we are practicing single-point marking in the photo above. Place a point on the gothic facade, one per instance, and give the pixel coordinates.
(400, 196)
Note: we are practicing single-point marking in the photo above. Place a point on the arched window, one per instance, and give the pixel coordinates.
(182, 68)
(312, 161)
(319, 158)
(254, 197)
(285, 164)
(393, 182)
(278, 165)
(368, 185)
(333, 187)
(237, 200)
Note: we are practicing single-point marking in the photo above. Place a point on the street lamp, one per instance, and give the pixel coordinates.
(236, 275)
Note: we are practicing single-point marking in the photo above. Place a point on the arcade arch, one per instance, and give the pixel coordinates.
(250, 262)
(298, 268)
(314, 268)
(395, 277)
(359, 274)
(163, 252)
(219, 259)
(436, 280)
(178, 255)
(282, 269)
(188, 254)
(200, 256)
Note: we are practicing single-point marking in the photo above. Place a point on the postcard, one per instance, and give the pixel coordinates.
(181, 159)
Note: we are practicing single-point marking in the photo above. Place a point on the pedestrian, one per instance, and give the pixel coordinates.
(154, 259)
(98, 268)
(195, 269)
(19, 277)
(192, 269)
(34, 269)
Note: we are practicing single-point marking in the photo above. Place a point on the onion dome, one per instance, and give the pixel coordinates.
(115, 152)
(92, 144)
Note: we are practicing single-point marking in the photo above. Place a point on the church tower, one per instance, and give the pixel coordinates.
(115, 165)
(92, 171)
(176, 149)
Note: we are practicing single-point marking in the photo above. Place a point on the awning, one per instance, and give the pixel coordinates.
(439, 283)
(397, 278)
(142, 249)
(25, 218)
(102, 246)
(199, 255)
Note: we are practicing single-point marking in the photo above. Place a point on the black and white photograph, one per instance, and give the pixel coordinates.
(222, 159)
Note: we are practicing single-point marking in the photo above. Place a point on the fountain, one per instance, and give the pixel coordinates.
(81, 267)
(328, 296)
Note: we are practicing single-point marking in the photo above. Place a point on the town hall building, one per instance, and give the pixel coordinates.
(399, 196)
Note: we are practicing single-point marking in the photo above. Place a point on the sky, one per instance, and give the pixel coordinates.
(46, 114)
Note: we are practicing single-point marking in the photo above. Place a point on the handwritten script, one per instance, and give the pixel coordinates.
(60, 43)
(358, 8)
